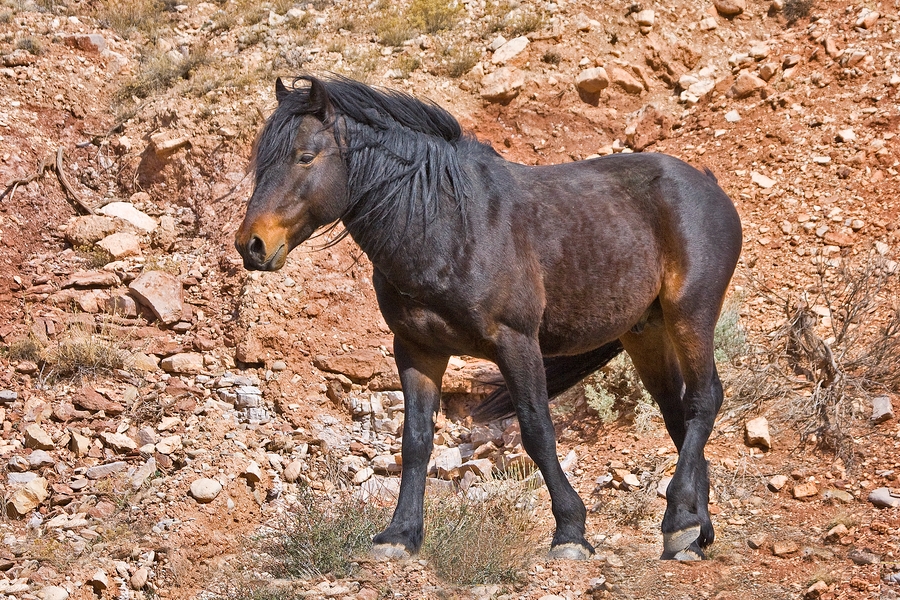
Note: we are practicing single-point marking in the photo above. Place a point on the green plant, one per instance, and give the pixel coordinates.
(407, 64)
(479, 542)
(94, 257)
(730, 335)
(524, 22)
(433, 15)
(601, 402)
(5, 16)
(323, 535)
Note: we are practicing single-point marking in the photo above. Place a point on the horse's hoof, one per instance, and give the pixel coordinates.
(385, 552)
(675, 542)
(569, 552)
(688, 555)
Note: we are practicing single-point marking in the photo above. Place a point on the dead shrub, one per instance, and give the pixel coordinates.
(839, 345)
(794, 10)
(30, 44)
(25, 349)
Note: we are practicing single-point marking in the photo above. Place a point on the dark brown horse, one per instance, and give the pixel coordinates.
(543, 270)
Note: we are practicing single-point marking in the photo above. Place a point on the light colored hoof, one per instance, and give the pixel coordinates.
(385, 552)
(687, 555)
(678, 541)
(569, 552)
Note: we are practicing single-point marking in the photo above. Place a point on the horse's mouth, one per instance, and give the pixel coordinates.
(274, 262)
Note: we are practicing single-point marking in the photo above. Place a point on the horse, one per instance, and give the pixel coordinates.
(548, 271)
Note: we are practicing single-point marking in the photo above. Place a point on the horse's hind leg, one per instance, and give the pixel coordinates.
(420, 376)
(520, 362)
(689, 325)
(656, 362)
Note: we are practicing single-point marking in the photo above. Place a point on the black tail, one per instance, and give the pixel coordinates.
(562, 373)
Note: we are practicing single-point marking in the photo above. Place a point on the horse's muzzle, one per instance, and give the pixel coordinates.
(256, 257)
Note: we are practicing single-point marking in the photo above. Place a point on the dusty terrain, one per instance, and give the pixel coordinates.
(263, 382)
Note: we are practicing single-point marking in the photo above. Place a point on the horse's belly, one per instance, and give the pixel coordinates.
(578, 325)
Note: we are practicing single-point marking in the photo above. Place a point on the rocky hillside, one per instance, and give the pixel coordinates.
(161, 408)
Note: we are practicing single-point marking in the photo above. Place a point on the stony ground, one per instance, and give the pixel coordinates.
(160, 407)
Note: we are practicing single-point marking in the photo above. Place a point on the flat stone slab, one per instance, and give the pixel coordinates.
(160, 292)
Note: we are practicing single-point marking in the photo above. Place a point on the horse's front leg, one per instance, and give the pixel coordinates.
(420, 376)
(520, 361)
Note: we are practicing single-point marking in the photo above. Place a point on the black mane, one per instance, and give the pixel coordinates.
(400, 152)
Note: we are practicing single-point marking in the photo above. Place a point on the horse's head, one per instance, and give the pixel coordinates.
(301, 180)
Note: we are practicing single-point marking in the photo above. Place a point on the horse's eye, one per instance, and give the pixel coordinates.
(305, 158)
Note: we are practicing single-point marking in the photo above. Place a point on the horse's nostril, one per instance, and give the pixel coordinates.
(256, 248)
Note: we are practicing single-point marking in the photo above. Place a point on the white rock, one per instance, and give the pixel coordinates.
(205, 490)
(292, 471)
(761, 180)
(732, 116)
(446, 460)
(756, 433)
(30, 496)
(846, 135)
(510, 50)
(127, 212)
(663, 486)
(592, 81)
(121, 245)
(881, 409)
(119, 442)
(52, 592)
(252, 472)
(183, 362)
(645, 17)
(363, 475)
(883, 498)
(502, 85)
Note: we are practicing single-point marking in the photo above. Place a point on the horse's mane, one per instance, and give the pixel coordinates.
(400, 152)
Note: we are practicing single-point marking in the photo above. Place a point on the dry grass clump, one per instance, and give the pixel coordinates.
(393, 29)
(81, 353)
(30, 44)
(127, 17)
(432, 16)
(461, 60)
(794, 10)
(158, 71)
(323, 535)
(480, 542)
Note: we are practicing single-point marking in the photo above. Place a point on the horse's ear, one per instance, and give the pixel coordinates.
(319, 102)
(281, 91)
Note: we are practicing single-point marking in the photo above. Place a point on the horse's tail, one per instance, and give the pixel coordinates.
(562, 373)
